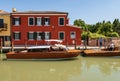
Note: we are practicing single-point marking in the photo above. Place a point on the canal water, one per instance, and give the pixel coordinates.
(80, 69)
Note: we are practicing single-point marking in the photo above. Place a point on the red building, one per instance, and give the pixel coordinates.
(34, 27)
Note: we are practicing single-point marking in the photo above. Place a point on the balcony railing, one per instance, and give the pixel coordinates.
(3, 27)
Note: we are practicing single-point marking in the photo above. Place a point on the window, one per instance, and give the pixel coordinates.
(30, 35)
(17, 35)
(43, 35)
(39, 35)
(72, 35)
(38, 21)
(31, 21)
(47, 35)
(61, 21)
(16, 21)
(46, 21)
(1, 23)
(61, 35)
(7, 38)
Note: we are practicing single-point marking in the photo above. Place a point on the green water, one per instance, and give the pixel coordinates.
(80, 69)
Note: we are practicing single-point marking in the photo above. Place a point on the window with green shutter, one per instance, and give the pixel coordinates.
(17, 35)
(61, 35)
(1, 23)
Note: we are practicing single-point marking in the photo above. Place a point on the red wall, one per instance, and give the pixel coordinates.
(24, 28)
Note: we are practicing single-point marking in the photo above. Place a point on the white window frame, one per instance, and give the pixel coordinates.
(40, 22)
(59, 35)
(72, 37)
(33, 21)
(47, 22)
(17, 32)
(18, 23)
(59, 21)
(33, 36)
(47, 35)
(38, 35)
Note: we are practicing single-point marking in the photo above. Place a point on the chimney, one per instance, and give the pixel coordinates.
(14, 10)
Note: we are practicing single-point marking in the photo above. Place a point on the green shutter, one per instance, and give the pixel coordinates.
(1, 23)
(35, 21)
(28, 35)
(49, 35)
(43, 21)
(19, 35)
(19, 21)
(43, 36)
(13, 35)
(35, 35)
(13, 21)
(48, 21)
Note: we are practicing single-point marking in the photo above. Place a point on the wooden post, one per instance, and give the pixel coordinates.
(74, 43)
(1, 49)
(25, 44)
(12, 48)
(36, 42)
(1, 45)
(66, 42)
(85, 42)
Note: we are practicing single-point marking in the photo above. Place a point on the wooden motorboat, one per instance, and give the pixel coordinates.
(43, 52)
(100, 52)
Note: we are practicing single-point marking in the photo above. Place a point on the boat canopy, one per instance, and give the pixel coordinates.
(54, 40)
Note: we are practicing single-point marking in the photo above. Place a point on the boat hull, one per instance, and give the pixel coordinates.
(100, 53)
(43, 55)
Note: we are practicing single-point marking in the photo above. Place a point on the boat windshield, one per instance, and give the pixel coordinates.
(54, 40)
(38, 47)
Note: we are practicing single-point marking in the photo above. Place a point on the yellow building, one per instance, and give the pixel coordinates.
(5, 28)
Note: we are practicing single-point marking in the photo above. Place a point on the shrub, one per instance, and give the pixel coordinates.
(113, 34)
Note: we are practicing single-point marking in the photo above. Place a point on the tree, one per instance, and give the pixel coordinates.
(113, 34)
(105, 28)
(116, 26)
(80, 23)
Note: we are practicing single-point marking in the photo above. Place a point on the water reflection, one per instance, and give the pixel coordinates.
(84, 69)
(100, 69)
(104, 65)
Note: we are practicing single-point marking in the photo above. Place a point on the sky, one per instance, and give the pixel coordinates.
(91, 11)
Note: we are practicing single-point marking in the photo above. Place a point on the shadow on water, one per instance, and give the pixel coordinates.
(52, 59)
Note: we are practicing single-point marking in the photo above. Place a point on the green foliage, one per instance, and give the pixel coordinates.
(84, 35)
(113, 34)
(95, 35)
(106, 27)
(100, 29)
(116, 26)
(79, 22)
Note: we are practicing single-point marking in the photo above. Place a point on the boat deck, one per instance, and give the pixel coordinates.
(100, 53)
